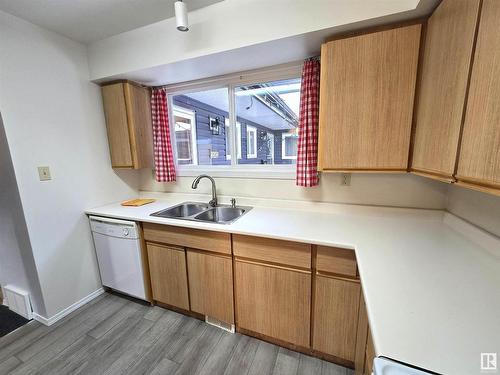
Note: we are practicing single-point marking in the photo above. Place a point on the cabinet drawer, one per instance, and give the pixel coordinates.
(186, 237)
(270, 250)
(335, 260)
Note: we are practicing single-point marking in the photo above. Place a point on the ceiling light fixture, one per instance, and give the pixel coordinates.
(181, 16)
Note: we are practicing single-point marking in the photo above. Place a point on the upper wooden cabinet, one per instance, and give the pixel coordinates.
(446, 61)
(366, 100)
(128, 121)
(479, 161)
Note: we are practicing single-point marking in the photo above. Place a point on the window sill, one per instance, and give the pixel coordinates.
(261, 172)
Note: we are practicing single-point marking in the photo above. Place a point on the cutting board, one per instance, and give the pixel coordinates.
(137, 202)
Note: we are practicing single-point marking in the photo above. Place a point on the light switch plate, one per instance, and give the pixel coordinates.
(44, 173)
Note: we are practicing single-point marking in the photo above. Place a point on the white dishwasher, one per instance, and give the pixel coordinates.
(118, 248)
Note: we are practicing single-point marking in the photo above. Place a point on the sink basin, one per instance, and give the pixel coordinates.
(182, 210)
(196, 211)
(220, 214)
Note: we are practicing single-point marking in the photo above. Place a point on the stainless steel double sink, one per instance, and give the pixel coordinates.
(195, 211)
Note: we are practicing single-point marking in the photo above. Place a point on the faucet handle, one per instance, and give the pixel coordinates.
(233, 202)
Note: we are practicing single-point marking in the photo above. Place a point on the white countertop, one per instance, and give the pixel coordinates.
(431, 281)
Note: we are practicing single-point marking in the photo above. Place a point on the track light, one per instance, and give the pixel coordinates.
(181, 16)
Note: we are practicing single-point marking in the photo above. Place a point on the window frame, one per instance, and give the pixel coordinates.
(230, 82)
(251, 129)
(190, 115)
(283, 146)
(227, 124)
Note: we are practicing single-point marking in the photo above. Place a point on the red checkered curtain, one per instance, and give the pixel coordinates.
(307, 148)
(164, 158)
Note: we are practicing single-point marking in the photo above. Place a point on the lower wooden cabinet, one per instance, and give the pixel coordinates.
(273, 301)
(336, 311)
(211, 285)
(167, 267)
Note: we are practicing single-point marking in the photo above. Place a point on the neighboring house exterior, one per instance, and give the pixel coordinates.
(213, 149)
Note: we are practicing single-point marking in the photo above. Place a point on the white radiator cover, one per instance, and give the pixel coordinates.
(18, 301)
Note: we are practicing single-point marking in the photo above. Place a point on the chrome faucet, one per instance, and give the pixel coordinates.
(196, 181)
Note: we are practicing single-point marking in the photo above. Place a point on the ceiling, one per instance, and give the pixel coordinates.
(90, 20)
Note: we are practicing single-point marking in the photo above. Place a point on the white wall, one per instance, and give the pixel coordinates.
(402, 190)
(17, 266)
(476, 207)
(53, 116)
(231, 25)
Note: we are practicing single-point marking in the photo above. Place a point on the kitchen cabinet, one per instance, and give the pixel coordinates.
(336, 303)
(366, 100)
(211, 284)
(127, 109)
(273, 301)
(479, 160)
(370, 354)
(335, 316)
(360, 357)
(446, 61)
(273, 288)
(167, 267)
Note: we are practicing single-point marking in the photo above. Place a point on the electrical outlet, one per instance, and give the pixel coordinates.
(345, 179)
(214, 154)
(44, 173)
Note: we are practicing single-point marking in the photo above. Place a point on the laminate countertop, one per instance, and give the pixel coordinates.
(431, 281)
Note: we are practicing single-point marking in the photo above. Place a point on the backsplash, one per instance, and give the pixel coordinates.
(399, 190)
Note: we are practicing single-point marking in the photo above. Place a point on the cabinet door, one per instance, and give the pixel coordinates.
(445, 70)
(211, 285)
(336, 317)
(167, 267)
(479, 160)
(273, 301)
(366, 100)
(115, 111)
(139, 116)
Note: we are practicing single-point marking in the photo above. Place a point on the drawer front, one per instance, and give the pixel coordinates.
(186, 237)
(275, 251)
(274, 302)
(337, 261)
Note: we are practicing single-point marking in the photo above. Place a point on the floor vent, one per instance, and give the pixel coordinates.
(219, 324)
(18, 301)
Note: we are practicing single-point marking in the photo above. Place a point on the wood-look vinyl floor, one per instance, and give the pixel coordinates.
(114, 335)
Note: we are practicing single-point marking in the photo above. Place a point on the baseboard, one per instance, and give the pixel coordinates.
(68, 310)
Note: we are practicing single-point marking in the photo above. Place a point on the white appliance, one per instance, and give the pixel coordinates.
(118, 248)
(384, 366)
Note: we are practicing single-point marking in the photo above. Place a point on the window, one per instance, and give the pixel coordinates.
(251, 142)
(196, 142)
(289, 145)
(257, 115)
(185, 135)
(269, 110)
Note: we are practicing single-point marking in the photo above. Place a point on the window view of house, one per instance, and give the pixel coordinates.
(265, 130)
(269, 114)
(185, 135)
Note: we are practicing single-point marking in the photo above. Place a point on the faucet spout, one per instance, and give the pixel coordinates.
(195, 183)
